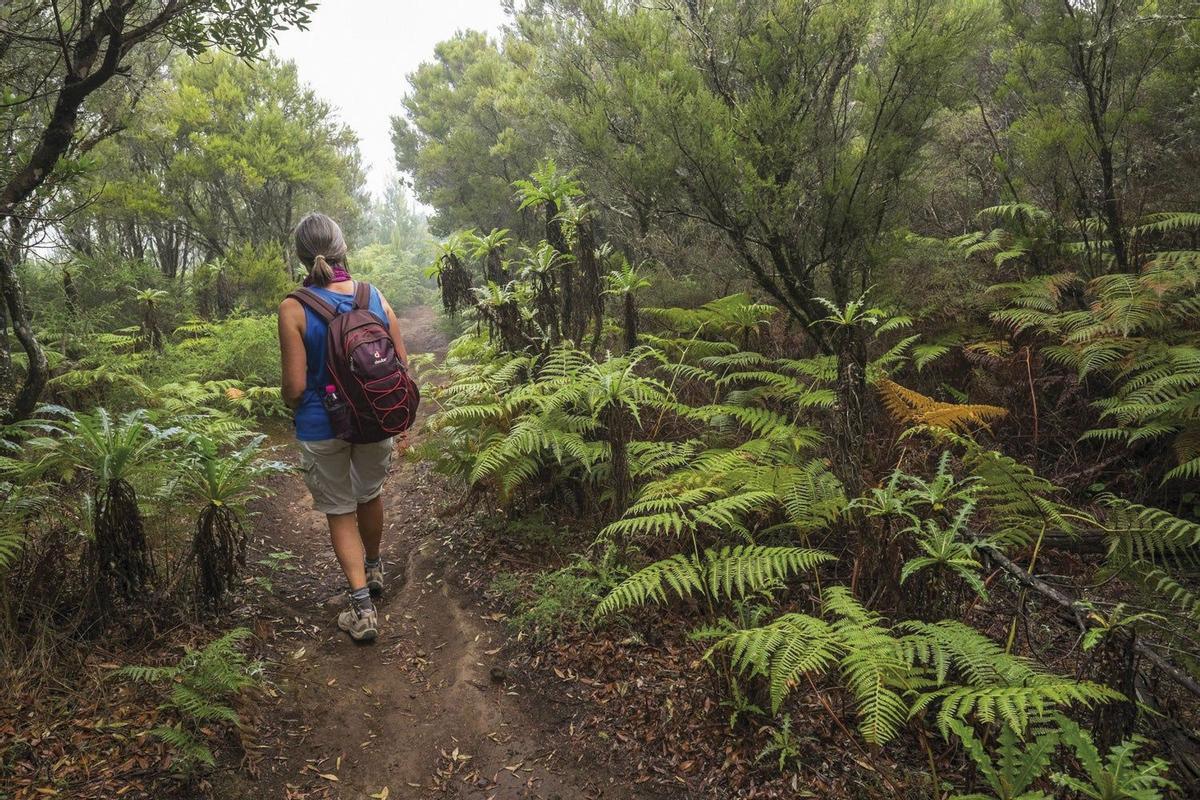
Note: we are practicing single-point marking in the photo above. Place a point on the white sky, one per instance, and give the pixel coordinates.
(357, 54)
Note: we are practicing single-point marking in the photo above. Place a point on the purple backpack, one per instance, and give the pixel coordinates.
(372, 395)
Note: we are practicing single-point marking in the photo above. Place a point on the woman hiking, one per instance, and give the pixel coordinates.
(344, 477)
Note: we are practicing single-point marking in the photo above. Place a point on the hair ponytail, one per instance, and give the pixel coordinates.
(319, 246)
(320, 273)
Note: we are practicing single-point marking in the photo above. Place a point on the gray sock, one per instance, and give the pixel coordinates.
(373, 563)
(361, 599)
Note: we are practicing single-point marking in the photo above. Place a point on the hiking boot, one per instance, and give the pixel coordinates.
(361, 623)
(375, 578)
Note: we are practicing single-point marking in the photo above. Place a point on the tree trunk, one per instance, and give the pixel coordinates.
(1112, 210)
(591, 289)
(631, 322)
(618, 425)
(71, 293)
(38, 372)
(5, 348)
(557, 240)
(849, 422)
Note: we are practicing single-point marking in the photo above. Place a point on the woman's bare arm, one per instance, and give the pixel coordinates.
(394, 330)
(291, 350)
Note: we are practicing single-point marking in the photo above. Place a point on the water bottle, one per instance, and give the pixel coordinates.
(340, 416)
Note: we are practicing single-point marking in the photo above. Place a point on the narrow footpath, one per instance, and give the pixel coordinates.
(428, 710)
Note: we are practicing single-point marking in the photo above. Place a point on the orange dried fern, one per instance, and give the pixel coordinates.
(913, 408)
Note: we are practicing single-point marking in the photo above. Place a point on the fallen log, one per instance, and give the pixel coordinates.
(1027, 579)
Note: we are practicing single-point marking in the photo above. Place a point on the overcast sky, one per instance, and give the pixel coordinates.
(357, 54)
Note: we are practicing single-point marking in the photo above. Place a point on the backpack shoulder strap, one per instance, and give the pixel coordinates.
(319, 305)
(362, 295)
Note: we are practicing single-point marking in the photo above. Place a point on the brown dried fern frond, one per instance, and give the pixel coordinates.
(910, 407)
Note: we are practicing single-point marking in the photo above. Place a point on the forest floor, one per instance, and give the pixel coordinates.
(434, 707)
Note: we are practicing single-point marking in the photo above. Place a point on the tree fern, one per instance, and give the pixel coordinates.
(1136, 532)
(896, 673)
(788, 648)
(1139, 331)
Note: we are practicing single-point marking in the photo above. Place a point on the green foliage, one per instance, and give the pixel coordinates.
(247, 279)
(812, 148)
(731, 572)
(1017, 766)
(896, 673)
(246, 157)
(244, 349)
(944, 549)
(280, 560)
(996, 686)
(547, 187)
(792, 204)
(466, 132)
(19, 504)
(570, 416)
(782, 746)
(797, 644)
(201, 685)
(216, 475)
(1116, 776)
(398, 274)
(1139, 331)
(108, 449)
(728, 489)
(736, 317)
(740, 707)
(561, 599)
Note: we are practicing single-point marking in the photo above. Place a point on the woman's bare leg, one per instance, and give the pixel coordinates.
(370, 526)
(348, 546)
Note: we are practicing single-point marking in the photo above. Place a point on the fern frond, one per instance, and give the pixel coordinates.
(729, 572)
(913, 408)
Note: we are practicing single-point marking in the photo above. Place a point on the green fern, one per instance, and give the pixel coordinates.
(1116, 776)
(898, 673)
(1017, 766)
(945, 549)
(730, 572)
(201, 684)
(869, 658)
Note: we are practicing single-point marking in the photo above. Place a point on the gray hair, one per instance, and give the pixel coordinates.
(319, 243)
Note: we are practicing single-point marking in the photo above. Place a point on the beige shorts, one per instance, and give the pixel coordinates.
(341, 475)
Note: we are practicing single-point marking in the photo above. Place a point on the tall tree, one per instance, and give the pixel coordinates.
(1077, 84)
(794, 127)
(468, 132)
(222, 153)
(59, 56)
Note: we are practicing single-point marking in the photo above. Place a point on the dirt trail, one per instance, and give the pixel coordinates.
(429, 709)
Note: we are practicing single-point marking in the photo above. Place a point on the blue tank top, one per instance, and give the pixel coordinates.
(311, 419)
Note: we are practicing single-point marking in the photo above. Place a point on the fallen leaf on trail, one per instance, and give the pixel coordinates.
(299, 654)
(382, 794)
(329, 776)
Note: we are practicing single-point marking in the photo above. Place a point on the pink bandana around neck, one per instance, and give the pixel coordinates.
(340, 273)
